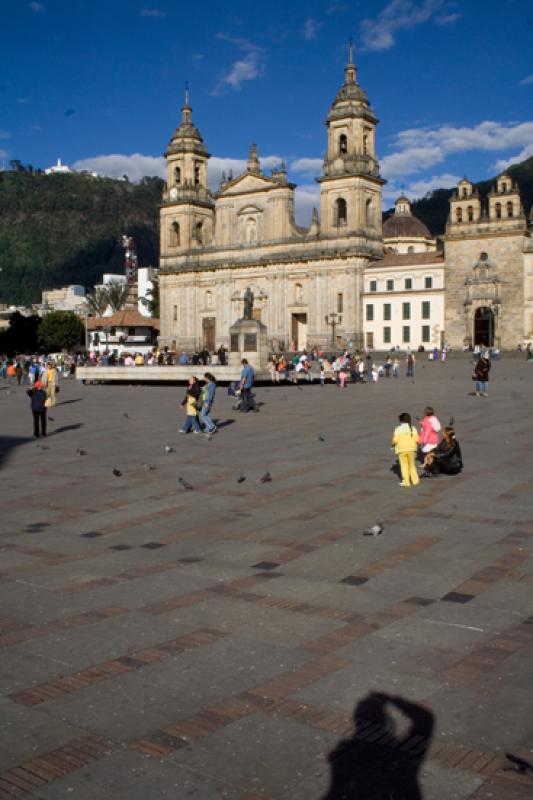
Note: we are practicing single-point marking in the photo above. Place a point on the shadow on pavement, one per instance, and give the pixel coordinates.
(224, 423)
(67, 402)
(377, 762)
(65, 428)
(9, 443)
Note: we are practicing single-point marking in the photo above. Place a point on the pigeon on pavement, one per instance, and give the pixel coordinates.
(169, 449)
(81, 452)
(375, 530)
(241, 478)
(117, 473)
(126, 415)
(267, 477)
(321, 437)
(149, 467)
(186, 485)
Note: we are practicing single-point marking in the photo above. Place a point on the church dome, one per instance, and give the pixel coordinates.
(187, 137)
(403, 224)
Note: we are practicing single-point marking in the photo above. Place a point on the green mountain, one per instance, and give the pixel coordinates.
(433, 209)
(57, 230)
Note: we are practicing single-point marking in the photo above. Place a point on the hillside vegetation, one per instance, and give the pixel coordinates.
(57, 230)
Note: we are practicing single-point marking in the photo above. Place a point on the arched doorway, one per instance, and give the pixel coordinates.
(484, 326)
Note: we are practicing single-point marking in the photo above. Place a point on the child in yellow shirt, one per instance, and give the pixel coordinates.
(405, 442)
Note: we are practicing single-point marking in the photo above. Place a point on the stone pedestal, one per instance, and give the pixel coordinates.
(248, 339)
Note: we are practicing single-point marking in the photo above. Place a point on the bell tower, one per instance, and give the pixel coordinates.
(350, 185)
(187, 211)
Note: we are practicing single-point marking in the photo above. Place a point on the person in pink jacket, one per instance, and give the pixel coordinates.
(430, 428)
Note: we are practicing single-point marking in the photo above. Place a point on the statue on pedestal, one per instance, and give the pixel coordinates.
(248, 303)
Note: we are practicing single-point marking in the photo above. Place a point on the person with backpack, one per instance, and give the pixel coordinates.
(405, 443)
(481, 375)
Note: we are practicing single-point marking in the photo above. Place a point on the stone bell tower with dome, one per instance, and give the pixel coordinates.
(350, 184)
(187, 213)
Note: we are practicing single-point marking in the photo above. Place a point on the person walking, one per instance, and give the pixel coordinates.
(191, 402)
(208, 398)
(405, 443)
(37, 396)
(50, 380)
(247, 382)
(410, 373)
(481, 375)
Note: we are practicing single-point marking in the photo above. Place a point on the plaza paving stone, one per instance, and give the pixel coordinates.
(217, 643)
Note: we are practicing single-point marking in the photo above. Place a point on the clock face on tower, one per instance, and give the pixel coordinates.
(173, 193)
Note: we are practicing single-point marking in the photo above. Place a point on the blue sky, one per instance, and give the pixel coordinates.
(100, 84)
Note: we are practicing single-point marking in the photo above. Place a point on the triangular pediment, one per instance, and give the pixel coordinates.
(248, 183)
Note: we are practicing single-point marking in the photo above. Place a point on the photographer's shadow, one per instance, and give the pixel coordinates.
(377, 763)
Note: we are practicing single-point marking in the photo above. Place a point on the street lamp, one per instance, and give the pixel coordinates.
(333, 319)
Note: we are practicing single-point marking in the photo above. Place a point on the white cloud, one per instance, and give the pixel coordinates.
(398, 15)
(307, 166)
(503, 163)
(412, 159)
(527, 81)
(306, 197)
(116, 165)
(310, 29)
(36, 7)
(154, 13)
(247, 68)
(419, 188)
(447, 19)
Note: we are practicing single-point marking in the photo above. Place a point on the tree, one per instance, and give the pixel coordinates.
(21, 336)
(151, 301)
(97, 301)
(61, 330)
(117, 294)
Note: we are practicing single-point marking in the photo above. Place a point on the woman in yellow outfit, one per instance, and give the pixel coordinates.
(405, 441)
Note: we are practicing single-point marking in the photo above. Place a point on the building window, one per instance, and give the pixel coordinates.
(369, 312)
(340, 303)
(410, 249)
(175, 313)
(390, 285)
(373, 286)
(406, 334)
(498, 208)
(386, 335)
(365, 144)
(208, 299)
(465, 193)
(197, 174)
(387, 311)
(343, 144)
(199, 233)
(369, 210)
(298, 293)
(470, 213)
(459, 215)
(426, 309)
(408, 283)
(510, 209)
(341, 211)
(251, 230)
(428, 282)
(426, 334)
(504, 187)
(406, 310)
(175, 234)
(177, 175)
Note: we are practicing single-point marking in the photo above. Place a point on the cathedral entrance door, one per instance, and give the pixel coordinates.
(484, 326)
(299, 330)
(208, 333)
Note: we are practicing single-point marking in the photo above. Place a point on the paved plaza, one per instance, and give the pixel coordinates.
(245, 640)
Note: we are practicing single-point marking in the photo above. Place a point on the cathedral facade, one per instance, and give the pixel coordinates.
(344, 280)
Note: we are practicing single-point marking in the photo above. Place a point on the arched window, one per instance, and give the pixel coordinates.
(504, 187)
(465, 191)
(341, 211)
(298, 293)
(459, 215)
(510, 210)
(365, 144)
(343, 144)
(498, 208)
(251, 230)
(200, 232)
(197, 174)
(369, 211)
(177, 175)
(175, 238)
(470, 213)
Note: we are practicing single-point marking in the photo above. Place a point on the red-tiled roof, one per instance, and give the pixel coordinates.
(408, 259)
(127, 318)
